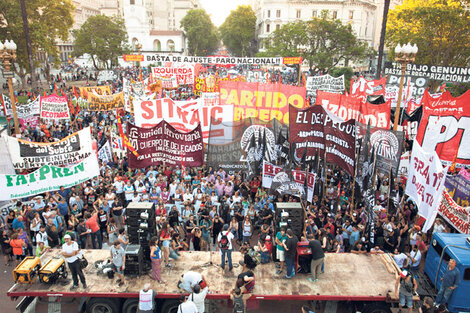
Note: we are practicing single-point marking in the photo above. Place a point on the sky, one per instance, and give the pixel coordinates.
(220, 9)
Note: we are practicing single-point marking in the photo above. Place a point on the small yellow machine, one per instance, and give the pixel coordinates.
(27, 271)
(52, 270)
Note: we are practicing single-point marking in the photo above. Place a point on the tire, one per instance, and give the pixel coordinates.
(131, 305)
(376, 307)
(170, 306)
(102, 305)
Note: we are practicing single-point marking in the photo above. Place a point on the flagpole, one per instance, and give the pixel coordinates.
(354, 180)
(389, 187)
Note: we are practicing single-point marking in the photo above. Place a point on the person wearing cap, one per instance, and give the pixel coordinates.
(147, 299)
(408, 286)
(71, 253)
(226, 249)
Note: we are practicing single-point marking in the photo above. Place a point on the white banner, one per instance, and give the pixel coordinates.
(326, 83)
(425, 182)
(270, 170)
(7, 109)
(70, 150)
(182, 115)
(47, 178)
(54, 107)
(28, 110)
(105, 154)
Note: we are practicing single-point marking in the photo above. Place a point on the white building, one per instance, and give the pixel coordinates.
(365, 16)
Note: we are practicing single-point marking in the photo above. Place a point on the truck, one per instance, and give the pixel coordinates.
(365, 282)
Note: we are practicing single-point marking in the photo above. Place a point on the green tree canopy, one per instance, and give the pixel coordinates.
(440, 28)
(49, 21)
(201, 33)
(325, 42)
(103, 38)
(238, 31)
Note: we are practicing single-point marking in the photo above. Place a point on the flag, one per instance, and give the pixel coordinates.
(262, 152)
(125, 140)
(183, 167)
(303, 160)
(55, 88)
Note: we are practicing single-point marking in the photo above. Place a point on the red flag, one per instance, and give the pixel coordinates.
(45, 94)
(55, 88)
(125, 140)
(71, 107)
(183, 167)
(75, 92)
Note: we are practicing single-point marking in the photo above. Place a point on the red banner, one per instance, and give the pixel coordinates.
(133, 57)
(457, 216)
(163, 144)
(347, 108)
(361, 88)
(263, 101)
(445, 126)
(292, 60)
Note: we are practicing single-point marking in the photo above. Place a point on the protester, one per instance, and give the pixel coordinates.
(147, 299)
(405, 288)
(449, 281)
(187, 306)
(239, 300)
(318, 257)
(118, 257)
(156, 259)
(290, 246)
(71, 252)
(281, 238)
(225, 245)
(198, 296)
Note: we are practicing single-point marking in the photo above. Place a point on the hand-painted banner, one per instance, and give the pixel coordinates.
(182, 115)
(454, 214)
(271, 170)
(314, 128)
(28, 110)
(361, 88)
(99, 90)
(458, 188)
(210, 99)
(70, 150)
(105, 154)
(184, 73)
(31, 122)
(7, 108)
(404, 164)
(445, 127)
(106, 102)
(262, 101)
(326, 83)
(347, 107)
(387, 145)
(163, 144)
(413, 88)
(211, 83)
(153, 58)
(47, 178)
(127, 91)
(54, 107)
(425, 182)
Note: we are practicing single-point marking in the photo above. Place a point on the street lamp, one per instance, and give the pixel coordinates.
(8, 57)
(404, 55)
(138, 47)
(300, 50)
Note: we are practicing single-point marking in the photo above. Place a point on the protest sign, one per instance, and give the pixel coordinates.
(182, 115)
(47, 178)
(262, 101)
(70, 150)
(326, 83)
(220, 60)
(106, 75)
(257, 77)
(105, 102)
(425, 182)
(413, 88)
(127, 91)
(315, 129)
(347, 108)
(31, 121)
(458, 187)
(29, 109)
(105, 154)
(404, 164)
(210, 99)
(163, 144)
(99, 90)
(361, 88)
(54, 107)
(454, 214)
(292, 60)
(184, 73)
(133, 58)
(433, 72)
(7, 109)
(445, 127)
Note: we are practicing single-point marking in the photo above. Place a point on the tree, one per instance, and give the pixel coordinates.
(326, 42)
(440, 28)
(346, 71)
(104, 38)
(202, 35)
(238, 31)
(48, 21)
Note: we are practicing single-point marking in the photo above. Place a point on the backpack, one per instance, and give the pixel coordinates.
(223, 243)
(238, 305)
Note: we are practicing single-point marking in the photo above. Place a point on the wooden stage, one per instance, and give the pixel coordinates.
(347, 277)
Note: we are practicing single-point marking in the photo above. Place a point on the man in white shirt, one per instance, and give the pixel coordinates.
(187, 306)
(190, 280)
(414, 258)
(146, 300)
(225, 244)
(71, 253)
(41, 236)
(198, 296)
(400, 258)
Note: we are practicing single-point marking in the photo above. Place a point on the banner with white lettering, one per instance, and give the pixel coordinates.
(361, 88)
(326, 83)
(425, 182)
(105, 154)
(445, 127)
(454, 214)
(54, 107)
(258, 77)
(458, 187)
(163, 144)
(317, 129)
(182, 115)
(48, 178)
(70, 150)
(348, 107)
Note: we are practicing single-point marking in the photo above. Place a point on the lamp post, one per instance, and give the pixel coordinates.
(404, 55)
(8, 57)
(138, 47)
(300, 50)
